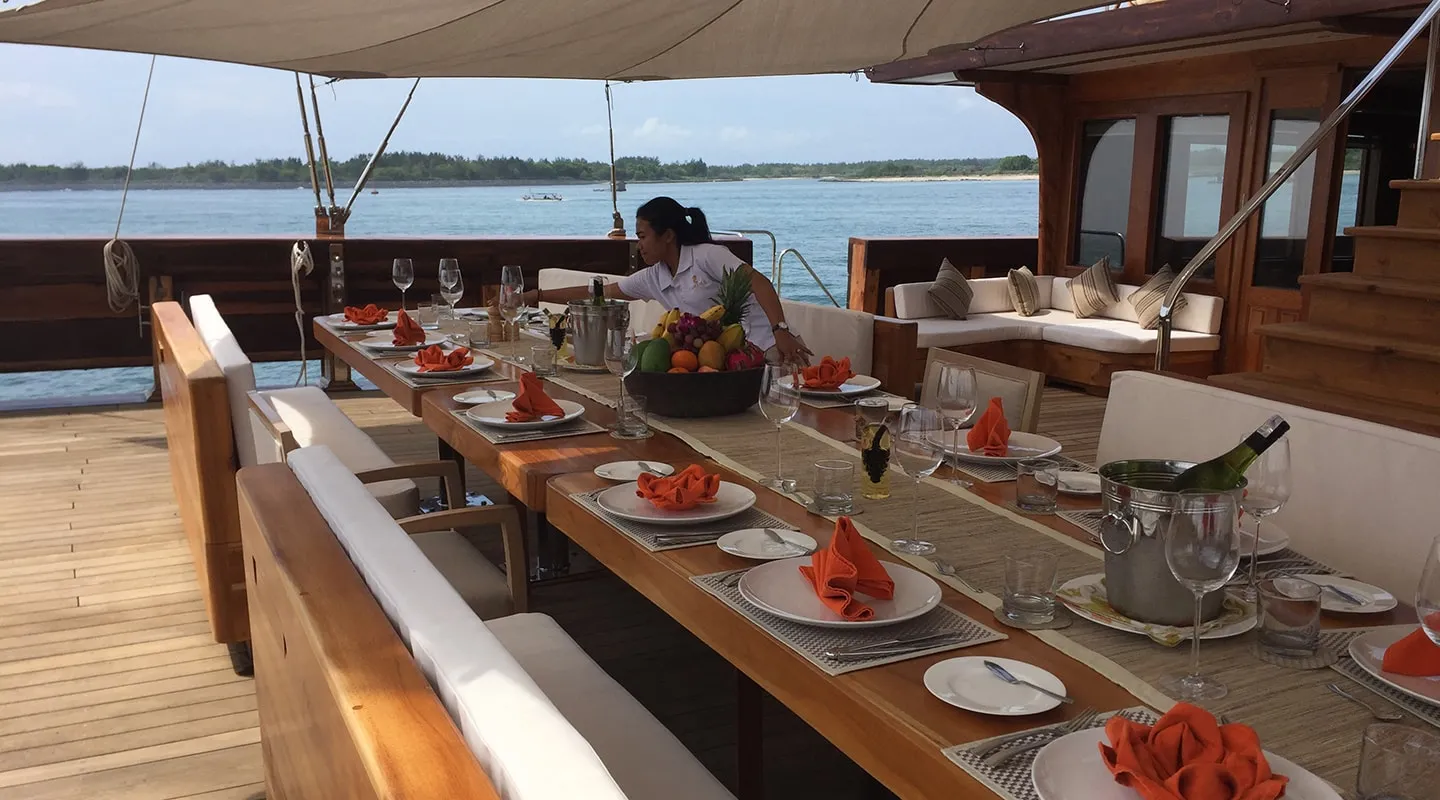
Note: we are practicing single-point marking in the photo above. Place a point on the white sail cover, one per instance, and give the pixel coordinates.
(620, 39)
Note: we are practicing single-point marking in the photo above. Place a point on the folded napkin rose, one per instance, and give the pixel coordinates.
(686, 489)
(846, 567)
(407, 331)
(828, 374)
(434, 359)
(1188, 756)
(991, 435)
(1414, 655)
(369, 315)
(532, 403)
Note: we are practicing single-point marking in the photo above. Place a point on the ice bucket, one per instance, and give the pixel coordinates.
(590, 323)
(1138, 582)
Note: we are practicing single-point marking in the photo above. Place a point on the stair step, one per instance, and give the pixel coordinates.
(1419, 203)
(1270, 387)
(1395, 252)
(1399, 308)
(1380, 368)
(1393, 232)
(1310, 332)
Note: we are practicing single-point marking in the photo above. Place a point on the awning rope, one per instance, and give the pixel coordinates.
(122, 270)
(301, 263)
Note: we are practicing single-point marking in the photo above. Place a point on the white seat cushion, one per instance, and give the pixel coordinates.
(836, 332)
(1119, 336)
(480, 583)
(977, 328)
(252, 444)
(643, 756)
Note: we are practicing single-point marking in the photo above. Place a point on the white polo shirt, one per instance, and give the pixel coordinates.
(695, 285)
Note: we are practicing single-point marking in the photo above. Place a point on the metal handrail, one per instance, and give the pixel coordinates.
(774, 247)
(780, 271)
(1306, 149)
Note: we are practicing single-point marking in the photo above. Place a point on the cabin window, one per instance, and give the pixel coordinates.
(1193, 185)
(1107, 155)
(1356, 166)
(1285, 217)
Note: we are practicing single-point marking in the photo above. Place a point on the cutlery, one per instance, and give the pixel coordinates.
(1004, 675)
(1378, 713)
(948, 570)
(646, 468)
(997, 759)
(890, 652)
(687, 539)
(928, 639)
(783, 542)
(1348, 597)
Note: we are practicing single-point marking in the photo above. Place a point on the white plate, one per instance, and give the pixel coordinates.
(338, 322)
(384, 342)
(1368, 650)
(1376, 599)
(631, 470)
(493, 415)
(412, 369)
(1273, 538)
(966, 683)
(624, 503)
(1022, 446)
(1070, 768)
(477, 396)
(1082, 484)
(1093, 585)
(754, 543)
(778, 588)
(857, 384)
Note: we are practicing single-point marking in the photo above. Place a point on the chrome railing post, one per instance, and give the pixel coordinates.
(1304, 151)
(792, 251)
(1422, 139)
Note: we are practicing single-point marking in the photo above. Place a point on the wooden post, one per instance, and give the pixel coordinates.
(334, 372)
(161, 287)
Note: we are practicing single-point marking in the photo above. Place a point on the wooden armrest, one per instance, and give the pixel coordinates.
(513, 536)
(893, 356)
(447, 471)
(270, 420)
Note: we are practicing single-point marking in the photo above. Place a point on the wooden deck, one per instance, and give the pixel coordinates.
(110, 686)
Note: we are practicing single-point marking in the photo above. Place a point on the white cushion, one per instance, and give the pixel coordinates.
(1359, 490)
(913, 301)
(315, 419)
(977, 328)
(1119, 336)
(480, 583)
(831, 331)
(1201, 312)
(642, 755)
(252, 444)
(644, 314)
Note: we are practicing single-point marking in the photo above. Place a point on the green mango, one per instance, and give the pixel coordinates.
(655, 357)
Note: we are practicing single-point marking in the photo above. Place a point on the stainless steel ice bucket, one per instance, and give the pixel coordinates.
(589, 323)
(1138, 582)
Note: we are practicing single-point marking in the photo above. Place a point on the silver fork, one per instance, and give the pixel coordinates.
(948, 570)
(994, 759)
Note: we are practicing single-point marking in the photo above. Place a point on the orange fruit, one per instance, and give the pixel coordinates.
(677, 369)
(685, 360)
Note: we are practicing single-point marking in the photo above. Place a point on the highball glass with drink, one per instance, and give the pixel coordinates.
(873, 435)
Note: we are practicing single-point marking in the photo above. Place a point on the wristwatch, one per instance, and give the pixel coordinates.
(780, 326)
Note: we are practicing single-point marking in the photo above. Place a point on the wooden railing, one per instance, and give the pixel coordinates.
(878, 263)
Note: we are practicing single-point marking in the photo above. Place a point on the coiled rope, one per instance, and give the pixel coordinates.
(122, 270)
(301, 263)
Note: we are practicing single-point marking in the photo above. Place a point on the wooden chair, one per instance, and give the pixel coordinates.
(1018, 388)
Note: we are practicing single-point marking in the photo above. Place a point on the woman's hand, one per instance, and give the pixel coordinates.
(791, 349)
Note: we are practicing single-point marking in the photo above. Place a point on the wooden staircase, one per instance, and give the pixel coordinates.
(1369, 346)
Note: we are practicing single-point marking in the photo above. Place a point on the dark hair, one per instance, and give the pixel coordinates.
(665, 214)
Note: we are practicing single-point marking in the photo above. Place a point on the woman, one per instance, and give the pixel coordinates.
(684, 272)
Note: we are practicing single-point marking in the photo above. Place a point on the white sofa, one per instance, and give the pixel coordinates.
(1360, 491)
(542, 719)
(831, 331)
(644, 314)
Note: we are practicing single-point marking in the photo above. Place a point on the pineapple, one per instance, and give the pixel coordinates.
(734, 294)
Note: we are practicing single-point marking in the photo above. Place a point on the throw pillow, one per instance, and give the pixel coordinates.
(1024, 292)
(1146, 300)
(1094, 290)
(951, 291)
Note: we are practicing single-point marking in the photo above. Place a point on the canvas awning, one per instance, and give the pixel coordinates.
(619, 39)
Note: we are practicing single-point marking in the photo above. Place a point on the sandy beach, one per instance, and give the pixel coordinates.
(938, 178)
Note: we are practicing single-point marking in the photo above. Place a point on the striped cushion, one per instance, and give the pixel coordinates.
(1024, 292)
(1094, 290)
(951, 291)
(1146, 299)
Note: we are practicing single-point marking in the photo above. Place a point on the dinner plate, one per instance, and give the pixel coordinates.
(475, 397)
(412, 369)
(1273, 538)
(624, 503)
(1086, 597)
(338, 322)
(1377, 600)
(1022, 446)
(631, 470)
(1368, 650)
(1070, 768)
(756, 544)
(779, 588)
(857, 384)
(493, 415)
(1080, 484)
(384, 342)
(966, 683)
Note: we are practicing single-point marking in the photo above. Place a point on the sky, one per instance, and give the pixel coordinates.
(61, 106)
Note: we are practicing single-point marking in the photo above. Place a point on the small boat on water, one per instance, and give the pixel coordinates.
(543, 196)
(619, 187)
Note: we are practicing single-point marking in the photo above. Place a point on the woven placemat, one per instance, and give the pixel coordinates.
(896, 401)
(1001, 473)
(1088, 521)
(1339, 642)
(1012, 780)
(646, 535)
(579, 427)
(415, 382)
(811, 641)
(1286, 561)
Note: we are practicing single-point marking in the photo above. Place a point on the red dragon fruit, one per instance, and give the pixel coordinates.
(747, 357)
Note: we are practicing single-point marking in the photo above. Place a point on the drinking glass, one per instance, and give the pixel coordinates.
(1427, 595)
(452, 285)
(426, 315)
(779, 402)
(1203, 551)
(478, 333)
(1029, 591)
(633, 417)
(834, 487)
(1289, 616)
(1398, 762)
(917, 446)
(542, 360)
(873, 436)
(1267, 489)
(620, 360)
(512, 286)
(402, 272)
(1037, 484)
(955, 395)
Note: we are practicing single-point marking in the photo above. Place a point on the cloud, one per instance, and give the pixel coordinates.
(594, 130)
(734, 133)
(36, 95)
(656, 131)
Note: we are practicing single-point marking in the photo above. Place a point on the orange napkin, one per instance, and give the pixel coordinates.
(828, 374)
(1188, 756)
(682, 491)
(844, 567)
(407, 331)
(369, 315)
(532, 403)
(434, 359)
(992, 433)
(1415, 654)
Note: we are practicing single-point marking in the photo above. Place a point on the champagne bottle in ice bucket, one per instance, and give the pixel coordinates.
(1227, 471)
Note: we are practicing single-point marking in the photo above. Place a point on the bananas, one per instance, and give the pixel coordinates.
(662, 328)
(713, 313)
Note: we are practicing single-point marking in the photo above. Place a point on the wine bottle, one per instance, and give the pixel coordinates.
(1225, 472)
(597, 290)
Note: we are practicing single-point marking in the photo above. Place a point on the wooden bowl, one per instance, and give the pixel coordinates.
(697, 394)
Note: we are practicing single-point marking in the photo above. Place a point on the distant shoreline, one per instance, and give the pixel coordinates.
(1009, 176)
(344, 194)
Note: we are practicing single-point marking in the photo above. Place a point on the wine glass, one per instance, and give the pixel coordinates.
(780, 402)
(452, 285)
(1267, 489)
(620, 360)
(956, 398)
(1203, 551)
(1427, 596)
(512, 286)
(917, 444)
(402, 272)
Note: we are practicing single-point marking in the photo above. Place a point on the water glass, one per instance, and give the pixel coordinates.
(1266, 492)
(1427, 595)
(834, 487)
(477, 333)
(780, 402)
(1029, 591)
(1037, 484)
(542, 360)
(632, 418)
(1289, 616)
(956, 396)
(917, 446)
(402, 274)
(427, 314)
(1398, 762)
(1202, 551)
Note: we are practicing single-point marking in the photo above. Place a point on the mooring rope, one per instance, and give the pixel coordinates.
(122, 270)
(301, 262)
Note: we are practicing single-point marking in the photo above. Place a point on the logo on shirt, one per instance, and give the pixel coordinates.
(695, 281)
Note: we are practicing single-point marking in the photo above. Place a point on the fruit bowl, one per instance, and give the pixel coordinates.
(697, 394)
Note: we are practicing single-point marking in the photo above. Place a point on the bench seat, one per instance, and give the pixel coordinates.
(479, 583)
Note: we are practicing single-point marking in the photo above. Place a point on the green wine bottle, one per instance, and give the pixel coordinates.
(597, 290)
(1226, 472)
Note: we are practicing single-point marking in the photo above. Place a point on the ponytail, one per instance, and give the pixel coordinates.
(699, 229)
(665, 214)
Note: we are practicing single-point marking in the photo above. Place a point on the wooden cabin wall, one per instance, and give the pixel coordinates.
(878, 263)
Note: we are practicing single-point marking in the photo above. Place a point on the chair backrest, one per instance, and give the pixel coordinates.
(1019, 389)
(202, 466)
(831, 331)
(644, 314)
(1359, 490)
(251, 445)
